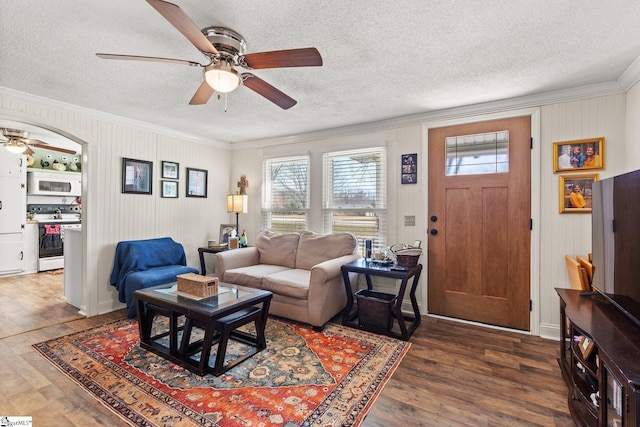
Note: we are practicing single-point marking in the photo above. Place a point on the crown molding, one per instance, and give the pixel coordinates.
(631, 75)
(112, 118)
(537, 100)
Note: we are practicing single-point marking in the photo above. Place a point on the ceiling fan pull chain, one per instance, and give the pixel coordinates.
(225, 102)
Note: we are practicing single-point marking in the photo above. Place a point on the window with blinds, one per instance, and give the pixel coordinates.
(285, 197)
(354, 195)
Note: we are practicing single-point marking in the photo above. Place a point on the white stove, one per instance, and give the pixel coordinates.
(52, 221)
(56, 213)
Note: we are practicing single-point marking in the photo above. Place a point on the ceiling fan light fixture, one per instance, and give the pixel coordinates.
(15, 147)
(222, 77)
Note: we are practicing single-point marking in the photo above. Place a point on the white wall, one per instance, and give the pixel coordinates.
(110, 216)
(570, 233)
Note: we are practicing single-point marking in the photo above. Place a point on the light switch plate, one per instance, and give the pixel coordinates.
(410, 220)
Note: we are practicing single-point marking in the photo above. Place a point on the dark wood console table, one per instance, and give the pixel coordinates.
(368, 269)
(600, 360)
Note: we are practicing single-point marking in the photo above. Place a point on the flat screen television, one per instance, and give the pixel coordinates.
(616, 241)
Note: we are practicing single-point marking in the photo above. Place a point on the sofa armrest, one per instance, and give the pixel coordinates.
(235, 258)
(327, 295)
(329, 269)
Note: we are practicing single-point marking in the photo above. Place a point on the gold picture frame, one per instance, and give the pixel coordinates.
(573, 156)
(581, 185)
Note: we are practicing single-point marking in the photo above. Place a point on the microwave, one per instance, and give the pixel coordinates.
(47, 183)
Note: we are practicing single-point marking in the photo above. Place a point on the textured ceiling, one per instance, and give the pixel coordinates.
(382, 59)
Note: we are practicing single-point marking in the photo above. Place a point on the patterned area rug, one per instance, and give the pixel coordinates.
(328, 378)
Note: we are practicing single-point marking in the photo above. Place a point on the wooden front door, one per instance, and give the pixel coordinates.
(479, 221)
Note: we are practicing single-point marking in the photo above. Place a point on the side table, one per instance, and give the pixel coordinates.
(368, 269)
(202, 251)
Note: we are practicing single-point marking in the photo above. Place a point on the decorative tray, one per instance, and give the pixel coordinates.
(382, 261)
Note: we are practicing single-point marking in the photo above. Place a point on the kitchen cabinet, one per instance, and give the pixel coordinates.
(13, 205)
(13, 208)
(73, 266)
(31, 245)
(12, 165)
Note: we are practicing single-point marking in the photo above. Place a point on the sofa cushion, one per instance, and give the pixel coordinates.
(316, 248)
(250, 276)
(292, 282)
(277, 249)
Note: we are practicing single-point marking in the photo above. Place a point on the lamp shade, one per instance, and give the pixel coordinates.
(15, 147)
(221, 77)
(237, 203)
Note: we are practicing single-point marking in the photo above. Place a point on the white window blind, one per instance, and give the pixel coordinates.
(285, 197)
(355, 194)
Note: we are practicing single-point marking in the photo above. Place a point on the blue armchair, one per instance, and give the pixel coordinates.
(141, 264)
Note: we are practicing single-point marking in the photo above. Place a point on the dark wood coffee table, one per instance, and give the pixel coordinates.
(202, 313)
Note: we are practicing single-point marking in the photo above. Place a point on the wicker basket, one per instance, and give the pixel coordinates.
(195, 284)
(408, 257)
(375, 309)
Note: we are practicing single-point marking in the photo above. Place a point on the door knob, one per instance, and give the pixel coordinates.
(433, 232)
(434, 218)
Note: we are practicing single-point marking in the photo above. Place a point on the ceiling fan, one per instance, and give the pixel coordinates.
(225, 50)
(18, 141)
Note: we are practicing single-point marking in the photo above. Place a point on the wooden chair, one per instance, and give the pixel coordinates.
(588, 267)
(577, 274)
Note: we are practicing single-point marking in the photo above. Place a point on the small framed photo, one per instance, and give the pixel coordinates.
(137, 176)
(225, 233)
(586, 345)
(409, 174)
(170, 170)
(581, 154)
(575, 193)
(196, 182)
(170, 189)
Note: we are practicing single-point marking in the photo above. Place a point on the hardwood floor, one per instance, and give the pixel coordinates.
(454, 374)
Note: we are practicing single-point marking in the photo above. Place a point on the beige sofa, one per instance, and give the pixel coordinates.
(301, 269)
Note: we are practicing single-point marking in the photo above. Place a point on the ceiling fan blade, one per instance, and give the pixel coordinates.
(33, 141)
(28, 151)
(202, 95)
(148, 58)
(184, 24)
(49, 147)
(263, 88)
(306, 57)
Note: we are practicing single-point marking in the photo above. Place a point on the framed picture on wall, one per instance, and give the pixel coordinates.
(409, 172)
(170, 189)
(575, 193)
(581, 154)
(170, 170)
(137, 176)
(196, 182)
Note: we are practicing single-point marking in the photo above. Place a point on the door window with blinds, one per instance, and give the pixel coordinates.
(285, 198)
(354, 196)
(481, 153)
